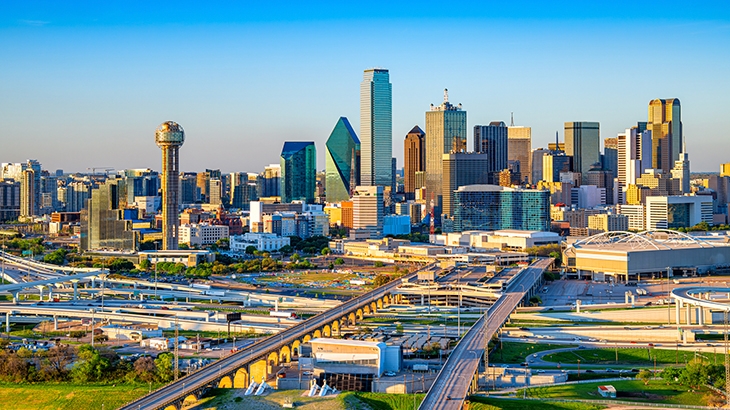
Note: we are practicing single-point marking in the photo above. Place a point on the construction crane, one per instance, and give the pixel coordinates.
(93, 169)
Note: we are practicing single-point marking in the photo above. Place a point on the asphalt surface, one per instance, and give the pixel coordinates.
(451, 386)
(167, 395)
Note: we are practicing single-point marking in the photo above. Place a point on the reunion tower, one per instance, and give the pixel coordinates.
(170, 137)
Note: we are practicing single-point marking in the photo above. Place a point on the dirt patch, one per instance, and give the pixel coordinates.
(641, 395)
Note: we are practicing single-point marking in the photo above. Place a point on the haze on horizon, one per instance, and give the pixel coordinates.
(85, 84)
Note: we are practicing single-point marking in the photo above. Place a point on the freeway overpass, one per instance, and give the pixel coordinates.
(257, 360)
(458, 375)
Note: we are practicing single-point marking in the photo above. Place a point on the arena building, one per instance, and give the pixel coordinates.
(626, 256)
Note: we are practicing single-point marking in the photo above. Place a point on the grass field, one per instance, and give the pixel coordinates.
(485, 403)
(515, 352)
(632, 390)
(632, 357)
(49, 396)
(382, 401)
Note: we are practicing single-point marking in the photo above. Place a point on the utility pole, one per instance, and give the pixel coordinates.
(727, 364)
(177, 352)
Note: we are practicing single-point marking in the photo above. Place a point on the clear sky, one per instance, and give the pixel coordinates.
(85, 84)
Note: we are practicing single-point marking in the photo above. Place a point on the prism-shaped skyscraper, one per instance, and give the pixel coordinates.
(342, 160)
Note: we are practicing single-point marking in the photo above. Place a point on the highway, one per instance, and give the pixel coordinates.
(167, 395)
(451, 386)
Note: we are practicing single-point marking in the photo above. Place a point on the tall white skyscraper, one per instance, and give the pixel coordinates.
(376, 128)
(634, 157)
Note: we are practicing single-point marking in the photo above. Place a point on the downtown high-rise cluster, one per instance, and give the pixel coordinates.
(638, 179)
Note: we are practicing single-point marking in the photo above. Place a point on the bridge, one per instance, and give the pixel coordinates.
(459, 375)
(258, 360)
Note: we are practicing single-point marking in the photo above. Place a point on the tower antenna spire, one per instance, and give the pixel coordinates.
(557, 144)
(512, 119)
(446, 95)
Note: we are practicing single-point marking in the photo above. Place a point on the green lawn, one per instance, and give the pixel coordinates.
(484, 403)
(632, 390)
(68, 396)
(633, 357)
(515, 352)
(383, 401)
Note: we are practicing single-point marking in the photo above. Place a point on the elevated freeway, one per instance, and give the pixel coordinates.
(256, 360)
(457, 377)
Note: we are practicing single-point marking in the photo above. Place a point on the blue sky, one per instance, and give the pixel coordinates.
(86, 84)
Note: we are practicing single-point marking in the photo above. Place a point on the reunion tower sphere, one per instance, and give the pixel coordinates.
(169, 133)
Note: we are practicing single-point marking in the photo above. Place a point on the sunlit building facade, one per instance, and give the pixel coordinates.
(491, 207)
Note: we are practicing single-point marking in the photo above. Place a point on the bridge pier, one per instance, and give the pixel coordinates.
(75, 283)
(677, 313)
(50, 294)
(55, 323)
(16, 297)
(40, 289)
(688, 314)
(7, 322)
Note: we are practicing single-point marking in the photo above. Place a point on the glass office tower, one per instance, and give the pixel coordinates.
(376, 128)
(342, 161)
(298, 171)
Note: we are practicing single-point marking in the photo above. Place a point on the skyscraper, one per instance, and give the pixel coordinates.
(376, 127)
(298, 171)
(519, 141)
(445, 132)
(582, 142)
(341, 161)
(492, 140)
(367, 209)
(490, 207)
(102, 222)
(665, 124)
(170, 136)
(415, 159)
(680, 171)
(27, 193)
(269, 182)
(462, 168)
(9, 200)
(633, 158)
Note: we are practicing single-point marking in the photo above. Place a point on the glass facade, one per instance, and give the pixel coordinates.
(583, 143)
(445, 132)
(376, 128)
(298, 171)
(492, 140)
(341, 161)
(489, 207)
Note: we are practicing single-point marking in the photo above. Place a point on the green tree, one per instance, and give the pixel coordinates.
(145, 264)
(378, 264)
(250, 249)
(164, 366)
(339, 261)
(381, 280)
(90, 365)
(326, 251)
(535, 300)
(644, 375)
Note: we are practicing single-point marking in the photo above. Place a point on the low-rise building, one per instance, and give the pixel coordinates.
(261, 241)
(202, 234)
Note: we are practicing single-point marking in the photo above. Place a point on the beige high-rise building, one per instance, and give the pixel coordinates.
(367, 209)
(665, 124)
(519, 148)
(445, 132)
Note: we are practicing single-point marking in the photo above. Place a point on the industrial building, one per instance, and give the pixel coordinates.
(626, 256)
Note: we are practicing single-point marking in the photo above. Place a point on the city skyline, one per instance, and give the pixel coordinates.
(74, 72)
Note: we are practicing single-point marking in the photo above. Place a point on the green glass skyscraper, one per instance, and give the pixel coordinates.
(376, 128)
(298, 171)
(342, 160)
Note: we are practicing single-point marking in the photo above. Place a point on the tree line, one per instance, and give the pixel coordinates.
(83, 364)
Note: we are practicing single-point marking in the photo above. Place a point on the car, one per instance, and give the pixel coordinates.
(538, 371)
(581, 347)
(389, 374)
(609, 370)
(534, 355)
(589, 371)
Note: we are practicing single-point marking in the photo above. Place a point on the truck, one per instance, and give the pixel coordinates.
(199, 286)
(214, 293)
(283, 313)
(420, 367)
